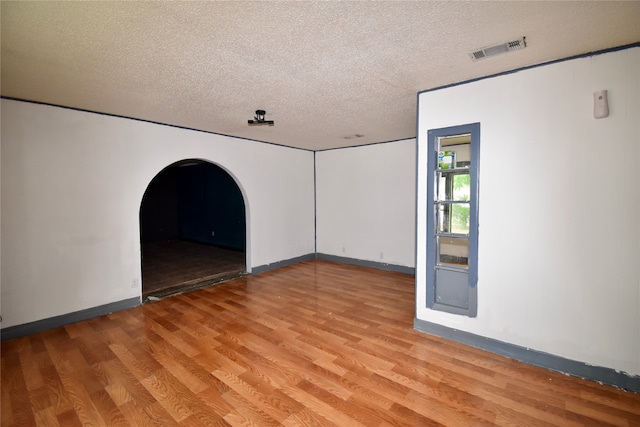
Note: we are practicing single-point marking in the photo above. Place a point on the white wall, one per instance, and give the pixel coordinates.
(559, 208)
(72, 184)
(365, 202)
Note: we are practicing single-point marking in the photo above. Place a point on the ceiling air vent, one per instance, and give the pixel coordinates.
(498, 49)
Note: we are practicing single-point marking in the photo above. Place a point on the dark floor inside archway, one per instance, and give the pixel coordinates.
(176, 266)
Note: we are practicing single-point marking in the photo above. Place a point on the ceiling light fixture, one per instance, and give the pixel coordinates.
(259, 119)
(354, 136)
(498, 49)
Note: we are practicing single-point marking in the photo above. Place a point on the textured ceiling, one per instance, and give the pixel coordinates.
(321, 70)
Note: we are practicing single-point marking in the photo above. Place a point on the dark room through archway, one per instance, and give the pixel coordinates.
(192, 229)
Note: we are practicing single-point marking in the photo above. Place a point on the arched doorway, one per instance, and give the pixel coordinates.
(192, 229)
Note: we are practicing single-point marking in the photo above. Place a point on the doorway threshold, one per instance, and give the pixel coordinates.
(191, 285)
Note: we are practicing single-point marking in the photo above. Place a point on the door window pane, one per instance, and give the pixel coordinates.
(454, 186)
(453, 251)
(453, 218)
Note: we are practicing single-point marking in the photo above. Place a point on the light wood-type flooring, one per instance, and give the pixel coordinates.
(312, 344)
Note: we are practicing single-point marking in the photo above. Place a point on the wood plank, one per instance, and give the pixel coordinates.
(316, 343)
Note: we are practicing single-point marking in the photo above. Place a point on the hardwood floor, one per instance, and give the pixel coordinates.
(313, 344)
